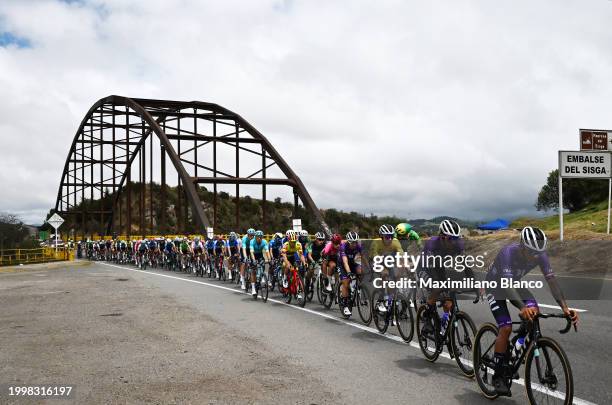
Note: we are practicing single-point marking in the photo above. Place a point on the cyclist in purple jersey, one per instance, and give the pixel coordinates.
(350, 254)
(447, 243)
(512, 263)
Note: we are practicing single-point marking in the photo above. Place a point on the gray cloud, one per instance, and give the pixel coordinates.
(410, 108)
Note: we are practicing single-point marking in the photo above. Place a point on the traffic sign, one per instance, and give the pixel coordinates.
(210, 233)
(595, 139)
(297, 225)
(55, 221)
(593, 165)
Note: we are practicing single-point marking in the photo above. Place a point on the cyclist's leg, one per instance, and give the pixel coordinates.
(499, 308)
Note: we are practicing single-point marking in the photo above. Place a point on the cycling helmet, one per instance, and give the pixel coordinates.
(292, 236)
(289, 232)
(232, 235)
(320, 236)
(450, 228)
(303, 232)
(259, 234)
(352, 237)
(533, 238)
(386, 230)
(197, 239)
(336, 238)
(278, 235)
(251, 231)
(403, 229)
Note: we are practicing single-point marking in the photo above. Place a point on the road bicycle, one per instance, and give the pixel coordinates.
(358, 297)
(548, 375)
(457, 335)
(399, 310)
(295, 287)
(219, 268)
(261, 277)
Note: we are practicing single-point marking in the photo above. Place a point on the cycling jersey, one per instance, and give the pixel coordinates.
(379, 248)
(412, 235)
(219, 245)
(291, 250)
(210, 246)
(275, 246)
(142, 246)
(434, 250)
(234, 246)
(510, 264)
(152, 245)
(184, 247)
(330, 252)
(246, 243)
(351, 253)
(197, 246)
(316, 250)
(259, 248)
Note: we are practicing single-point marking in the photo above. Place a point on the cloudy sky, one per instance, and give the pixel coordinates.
(392, 107)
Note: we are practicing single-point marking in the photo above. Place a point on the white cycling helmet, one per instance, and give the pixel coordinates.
(450, 228)
(533, 238)
(352, 237)
(386, 230)
(320, 235)
(303, 232)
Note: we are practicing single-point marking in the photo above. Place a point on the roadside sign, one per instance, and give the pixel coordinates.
(595, 139)
(593, 165)
(209, 233)
(55, 221)
(585, 165)
(297, 225)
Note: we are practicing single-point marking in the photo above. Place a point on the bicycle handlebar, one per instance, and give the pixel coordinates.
(568, 320)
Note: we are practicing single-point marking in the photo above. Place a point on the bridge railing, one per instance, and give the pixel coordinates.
(11, 257)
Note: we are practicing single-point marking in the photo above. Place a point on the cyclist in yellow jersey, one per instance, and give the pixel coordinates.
(291, 253)
(386, 245)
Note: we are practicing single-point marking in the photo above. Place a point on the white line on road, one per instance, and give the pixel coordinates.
(398, 339)
(558, 307)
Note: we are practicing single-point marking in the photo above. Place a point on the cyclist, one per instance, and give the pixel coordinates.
(122, 251)
(513, 262)
(246, 254)
(197, 247)
(152, 250)
(185, 251)
(447, 243)
(219, 252)
(209, 253)
(142, 247)
(169, 251)
(259, 252)
(330, 260)
(313, 256)
(350, 255)
(404, 231)
(233, 247)
(386, 245)
(291, 253)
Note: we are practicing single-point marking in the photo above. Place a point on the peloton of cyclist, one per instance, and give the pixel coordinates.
(513, 262)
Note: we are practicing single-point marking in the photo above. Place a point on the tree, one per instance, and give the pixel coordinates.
(577, 193)
(12, 231)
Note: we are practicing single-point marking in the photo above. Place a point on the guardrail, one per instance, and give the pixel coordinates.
(11, 257)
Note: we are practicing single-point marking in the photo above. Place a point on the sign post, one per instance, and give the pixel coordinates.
(583, 165)
(55, 221)
(297, 225)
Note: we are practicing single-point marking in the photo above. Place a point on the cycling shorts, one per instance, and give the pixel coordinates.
(354, 269)
(499, 304)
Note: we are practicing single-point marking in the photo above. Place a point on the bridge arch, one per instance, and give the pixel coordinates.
(110, 149)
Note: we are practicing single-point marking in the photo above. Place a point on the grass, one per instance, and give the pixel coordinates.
(590, 222)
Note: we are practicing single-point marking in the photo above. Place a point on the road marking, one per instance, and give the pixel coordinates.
(374, 331)
(559, 308)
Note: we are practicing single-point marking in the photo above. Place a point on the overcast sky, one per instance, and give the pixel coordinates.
(393, 107)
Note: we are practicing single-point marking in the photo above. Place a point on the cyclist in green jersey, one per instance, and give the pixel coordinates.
(404, 231)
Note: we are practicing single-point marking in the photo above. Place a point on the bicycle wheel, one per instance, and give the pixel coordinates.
(428, 330)
(300, 292)
(484, 352)
(404, 316)
(309, 289)
(548, 375)
(363, 305)
(328, 296)
(263, 288)
(381, 319)
(462, 342)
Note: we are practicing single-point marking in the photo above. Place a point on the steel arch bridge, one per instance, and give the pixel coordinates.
(112, 158)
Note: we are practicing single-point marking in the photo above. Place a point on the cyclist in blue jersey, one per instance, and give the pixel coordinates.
(259, 251)
(513, 262)
(246, 254)
(275, 245)
(209, 253)
(219, 253)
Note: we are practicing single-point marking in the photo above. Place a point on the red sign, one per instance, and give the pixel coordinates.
(595, 140)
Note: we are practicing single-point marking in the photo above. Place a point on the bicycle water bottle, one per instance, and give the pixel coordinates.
(443, 323)
(353, 284)
(520, 344)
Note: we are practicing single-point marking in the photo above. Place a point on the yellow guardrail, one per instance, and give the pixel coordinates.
(11, 257)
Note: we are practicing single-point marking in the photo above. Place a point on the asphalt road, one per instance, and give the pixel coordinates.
(176, 329)
(362, 365)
